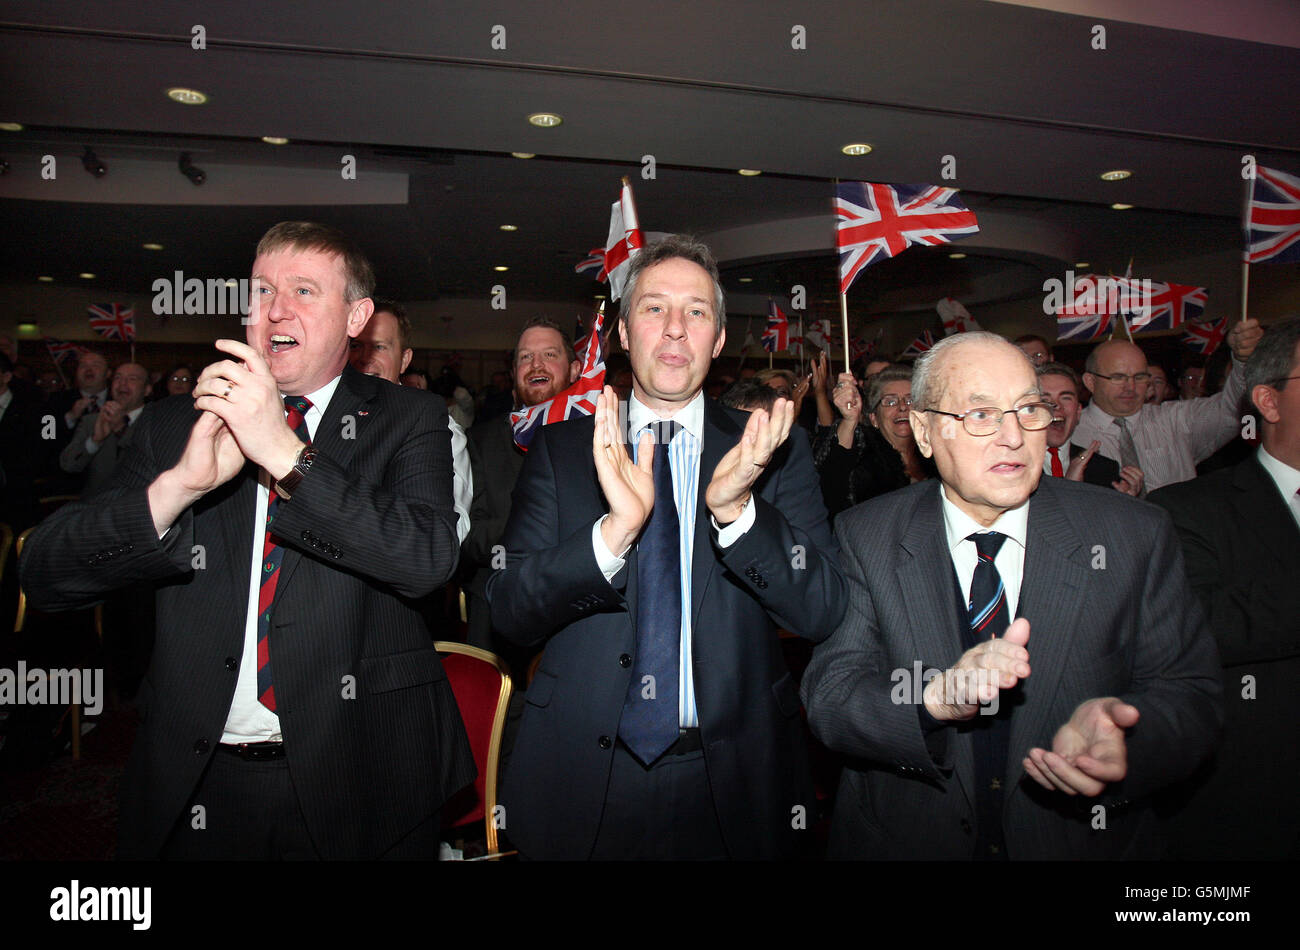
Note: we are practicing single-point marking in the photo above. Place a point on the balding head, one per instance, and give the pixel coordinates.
(1124, 394)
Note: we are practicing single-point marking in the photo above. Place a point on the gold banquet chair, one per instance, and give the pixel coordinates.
(482, 685)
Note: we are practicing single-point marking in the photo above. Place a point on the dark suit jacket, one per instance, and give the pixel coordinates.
(783, 569)
(21, 448)
(1128, 629)
(1242, 551)
(372, 734)
(495, 463)
(98, 468)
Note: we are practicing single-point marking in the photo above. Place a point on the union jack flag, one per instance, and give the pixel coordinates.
(1273, 233)
(777, 335)
(578, 400)
(1167, 306)
(919, 345)
(1091, 308)
(879, 221)
(113, 321)
(624, 242)
(595, 262)
(60, 350)
(1206, 337)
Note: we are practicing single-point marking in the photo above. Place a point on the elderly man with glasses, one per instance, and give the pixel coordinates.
(1168, 439)
(1005, 634)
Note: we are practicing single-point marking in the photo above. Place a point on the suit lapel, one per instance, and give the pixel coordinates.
(925, 576)
(1052, 597)
(1261, 505)
(720, 433)
(351, 409)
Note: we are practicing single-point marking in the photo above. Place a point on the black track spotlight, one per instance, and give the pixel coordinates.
(91, 163)
(197, 175)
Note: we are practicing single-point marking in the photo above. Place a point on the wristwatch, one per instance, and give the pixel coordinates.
(286, 486)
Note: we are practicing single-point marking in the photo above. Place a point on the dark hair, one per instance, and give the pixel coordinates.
(1060, 369)
(548, 324)
(749, 394)
(1032, 338)
(310, 236)
(675, 245)
(383, 304)
(1274, 358)
(6, 364)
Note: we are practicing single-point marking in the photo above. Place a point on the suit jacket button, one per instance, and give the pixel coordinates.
(625, 661)
(605, 742)
(965, 826)
(200, 747)
(232, 664)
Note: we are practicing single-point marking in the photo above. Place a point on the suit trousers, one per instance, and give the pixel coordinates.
(661, 813)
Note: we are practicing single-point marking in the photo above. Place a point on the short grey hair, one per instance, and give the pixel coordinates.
(674, 245)
(1274, 358)
(923, 369)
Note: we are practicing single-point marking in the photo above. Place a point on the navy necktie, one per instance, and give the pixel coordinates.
(987, 615)
(650, 717)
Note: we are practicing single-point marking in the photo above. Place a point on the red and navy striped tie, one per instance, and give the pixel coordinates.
(272, 555)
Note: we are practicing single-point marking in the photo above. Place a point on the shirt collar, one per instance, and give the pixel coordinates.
(690, 416)
(1014, 523)
(134, 414)
(320, 399)
(1286, 477)
(1104, 418)
(6, 398)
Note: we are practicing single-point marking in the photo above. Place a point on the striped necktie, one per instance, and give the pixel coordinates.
(650, 723)
(987, 615)
(272, 555)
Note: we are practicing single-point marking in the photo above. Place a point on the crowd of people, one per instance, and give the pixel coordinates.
(1006, 634)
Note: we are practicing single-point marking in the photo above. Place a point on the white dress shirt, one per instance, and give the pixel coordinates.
(1010, 560)
(1287, 480)
(462, 478)
(249, 720)
(92, 446)
(684, 457)
(1170, 437)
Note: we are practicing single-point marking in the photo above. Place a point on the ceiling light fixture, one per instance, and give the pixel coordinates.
(956, 255)
(856, 148)
(275, 140)
(509, 227)
(1116, 174)
(91, 163)
(1082, 264)
(545, 120)
(86, 275)
(196, 175)
(745, 280)
(11, 126)
(187, 97)
(1120, 206)
(45, 280)
(501, 267)
(523, 154)
(749, 172)
(151, 246)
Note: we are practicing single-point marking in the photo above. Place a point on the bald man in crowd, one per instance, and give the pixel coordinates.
(1165, 440)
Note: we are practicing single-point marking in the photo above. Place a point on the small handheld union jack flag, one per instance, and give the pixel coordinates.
(1273, 231)
(113, 321)
(777, 335)
(60, 350)
(1168, 306)
(578, 400)
(879, 221)
(1206, 337)
(920, 344)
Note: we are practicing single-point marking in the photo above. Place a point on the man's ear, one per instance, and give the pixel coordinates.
(575, 370)
(1090, 381)
(721, 341)
(1264, 399)
(360, 315)
(406, 359)
(921, 432)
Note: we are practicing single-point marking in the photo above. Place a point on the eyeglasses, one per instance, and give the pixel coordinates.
(1125, 377)
(179, 379)
(981, 422)
(893, 402)
(1284, 379)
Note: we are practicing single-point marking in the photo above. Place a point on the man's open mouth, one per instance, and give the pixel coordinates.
(281, 342)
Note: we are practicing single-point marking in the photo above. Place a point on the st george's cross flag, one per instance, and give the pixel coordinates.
(1273, 229)
(578, 400)
(875, 221)
(956, 318)
(818, 333)
(624, 241)
(113, 321)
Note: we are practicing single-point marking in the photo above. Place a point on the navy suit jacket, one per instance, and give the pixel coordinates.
(783, 570)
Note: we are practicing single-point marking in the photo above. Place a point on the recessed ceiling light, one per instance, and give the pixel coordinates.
(86, 275)
(501, 267)
(1116, 174)
(27, 328)
(509, 227)
(187, 97)
(231, 282)
(545, 120)
(746, 280)
(1082, 264)
(956, 255)
(1120, 206)
(524, 154)
(151, 246)
(275, 140)
(11, 126)
(749, 172)
(45, 280)
(856, 148)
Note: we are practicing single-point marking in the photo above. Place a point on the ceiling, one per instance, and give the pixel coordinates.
(430, 108)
